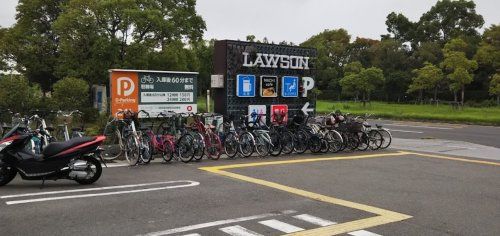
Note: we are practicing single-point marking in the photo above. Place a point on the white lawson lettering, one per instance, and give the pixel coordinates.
(276, 61)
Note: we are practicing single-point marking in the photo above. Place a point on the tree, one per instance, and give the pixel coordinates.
(370, 79)
(495, 87)
(459, 70)
(32, 42)
(364, 82)
(447, 19)
(332, 48)
(427, 77)
(146, 34)
(488, 53)
(18, 95)
(450, 19)
(71, 93)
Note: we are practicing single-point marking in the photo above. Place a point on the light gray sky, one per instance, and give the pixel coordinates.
(297, 20)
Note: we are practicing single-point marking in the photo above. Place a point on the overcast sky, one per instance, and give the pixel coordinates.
(297, 20)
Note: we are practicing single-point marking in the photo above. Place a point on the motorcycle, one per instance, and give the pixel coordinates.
(76, 159)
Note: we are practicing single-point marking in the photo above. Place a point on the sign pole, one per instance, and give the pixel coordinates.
(208, 101)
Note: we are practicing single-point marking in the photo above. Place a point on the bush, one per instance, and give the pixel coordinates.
(18, 95)
(71, 94)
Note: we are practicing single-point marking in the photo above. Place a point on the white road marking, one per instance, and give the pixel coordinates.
(192, 235)
(93, 189)
(418, 126)
(239, 231)
(191, 184)
(116, 165)
(406, 131)
(281, 226)
(363, 233)
(217, 223)
(314, 220)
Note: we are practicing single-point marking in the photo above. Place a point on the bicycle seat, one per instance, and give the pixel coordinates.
(367, 126)
(76, 129)
(379, 126)
(50, 129)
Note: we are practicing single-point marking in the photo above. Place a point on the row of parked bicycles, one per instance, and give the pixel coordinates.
(191, 137)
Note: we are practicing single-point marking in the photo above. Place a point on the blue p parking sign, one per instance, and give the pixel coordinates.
(290, 86)
(245, 85)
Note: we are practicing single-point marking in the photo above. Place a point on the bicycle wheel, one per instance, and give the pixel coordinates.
(314, 143)
(386, 138)
(375, 139)
(352, 141)
(262, 144)
(325, 146)
(113, 145)
(185, 148)
(364, 141)
(334, 140)
(214, 150)
(167, 151)
(246, 144)
(199, 146)
(132, 150)
(300, 141)
(287, 142)
(231, 144)
(276, 144)
(146, 148)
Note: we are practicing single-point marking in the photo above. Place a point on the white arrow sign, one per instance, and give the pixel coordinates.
(306, 108)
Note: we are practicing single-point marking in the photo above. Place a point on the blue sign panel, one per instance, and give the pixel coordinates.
(290, 86)
(245, 85)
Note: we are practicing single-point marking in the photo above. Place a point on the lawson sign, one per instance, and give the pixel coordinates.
(153, 91)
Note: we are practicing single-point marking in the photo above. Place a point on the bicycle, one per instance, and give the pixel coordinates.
(179, 139)
(281, 137)
(63, 132)
(263, 142)
(229, 137)
(212, 143)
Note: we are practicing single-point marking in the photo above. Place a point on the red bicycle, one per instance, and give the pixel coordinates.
(211, 141)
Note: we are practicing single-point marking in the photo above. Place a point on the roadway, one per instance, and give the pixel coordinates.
(361, 193)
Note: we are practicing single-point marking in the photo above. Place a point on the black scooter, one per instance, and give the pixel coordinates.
(76, 159)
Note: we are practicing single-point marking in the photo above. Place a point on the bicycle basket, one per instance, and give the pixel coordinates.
(355, 127)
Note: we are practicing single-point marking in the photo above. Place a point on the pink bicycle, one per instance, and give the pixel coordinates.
(212, 143)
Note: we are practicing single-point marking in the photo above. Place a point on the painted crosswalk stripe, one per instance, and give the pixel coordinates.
(314, 220)
(281, 226)
(363, 233)
(217, 223)
(237, 230)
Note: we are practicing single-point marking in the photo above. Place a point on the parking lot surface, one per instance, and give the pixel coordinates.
(360, 193)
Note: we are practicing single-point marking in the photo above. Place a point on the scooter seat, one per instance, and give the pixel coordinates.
(57, 147)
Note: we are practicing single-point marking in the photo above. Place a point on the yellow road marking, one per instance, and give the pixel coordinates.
(455, 158)
(383, 216)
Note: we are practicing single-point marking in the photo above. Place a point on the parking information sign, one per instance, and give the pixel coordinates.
(290, 86)
(245, 85)
(153, 91)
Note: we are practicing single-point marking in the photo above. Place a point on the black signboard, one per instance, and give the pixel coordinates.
(272, 65)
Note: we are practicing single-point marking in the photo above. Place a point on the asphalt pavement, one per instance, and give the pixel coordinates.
(360, 193)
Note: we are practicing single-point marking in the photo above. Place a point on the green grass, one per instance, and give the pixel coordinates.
(445, 113)
(202, 104)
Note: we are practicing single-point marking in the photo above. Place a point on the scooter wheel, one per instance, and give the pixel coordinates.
(95, 167)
